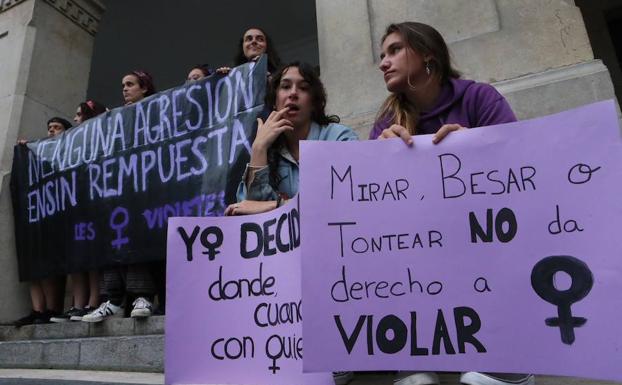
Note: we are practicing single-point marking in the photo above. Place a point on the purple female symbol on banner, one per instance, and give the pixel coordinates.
(542, 282)
(118, 227)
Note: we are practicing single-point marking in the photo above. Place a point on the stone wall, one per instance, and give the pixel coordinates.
(46, 48)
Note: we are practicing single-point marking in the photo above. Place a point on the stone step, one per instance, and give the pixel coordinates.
(454, 379)
(139, 353)
(84, 377)
(77, 377)
(90, 377)
(114, 327)
(93, 354)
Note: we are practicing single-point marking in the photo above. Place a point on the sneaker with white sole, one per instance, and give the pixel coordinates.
(477, 378)
(66, 316)
(416, 378)
(105, 310)
(79, 313)
(142, 308)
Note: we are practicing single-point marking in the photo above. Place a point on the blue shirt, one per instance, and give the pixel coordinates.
(288, 171)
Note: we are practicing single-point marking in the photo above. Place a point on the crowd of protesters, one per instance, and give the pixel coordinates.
(427, 96)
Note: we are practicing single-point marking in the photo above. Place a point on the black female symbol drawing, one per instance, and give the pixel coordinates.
(582, 281)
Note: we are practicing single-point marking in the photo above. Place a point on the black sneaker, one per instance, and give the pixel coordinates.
(46, 316)
(66, 316)
(342, 378)
(30, 319)
(79, 313)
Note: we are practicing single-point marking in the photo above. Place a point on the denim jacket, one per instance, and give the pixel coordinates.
(260, 189)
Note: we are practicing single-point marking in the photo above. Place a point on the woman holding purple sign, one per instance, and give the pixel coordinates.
(298, 99)
(428, 97)
(427, 94)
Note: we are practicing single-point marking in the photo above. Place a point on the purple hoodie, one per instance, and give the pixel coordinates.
(464, 102)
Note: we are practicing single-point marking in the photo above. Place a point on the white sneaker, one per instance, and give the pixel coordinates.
(142, 308)
(416, 378)
(477, 378)
(105, 310)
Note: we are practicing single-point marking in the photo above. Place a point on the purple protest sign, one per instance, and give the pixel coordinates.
(497, 250)
(233, 313)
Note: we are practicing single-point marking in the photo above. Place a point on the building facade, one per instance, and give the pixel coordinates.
(536, 52)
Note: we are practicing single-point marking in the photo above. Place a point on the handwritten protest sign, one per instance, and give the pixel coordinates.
(234, 301)
(108, 186)
(496, 250)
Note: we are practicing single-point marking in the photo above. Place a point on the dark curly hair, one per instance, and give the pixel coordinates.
(318, 112)
(274, 61)
(318, 93)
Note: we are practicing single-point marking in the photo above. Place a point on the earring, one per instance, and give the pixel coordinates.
(427, 68)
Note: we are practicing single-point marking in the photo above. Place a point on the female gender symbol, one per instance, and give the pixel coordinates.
(582, 281)
(119, 226)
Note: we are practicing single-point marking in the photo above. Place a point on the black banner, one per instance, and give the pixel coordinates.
(100, 194)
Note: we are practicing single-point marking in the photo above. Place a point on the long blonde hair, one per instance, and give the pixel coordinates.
(427, 41)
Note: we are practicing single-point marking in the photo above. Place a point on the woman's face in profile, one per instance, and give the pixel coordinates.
(400, 64)
(253, 43)
(79, 118)
(132, 91)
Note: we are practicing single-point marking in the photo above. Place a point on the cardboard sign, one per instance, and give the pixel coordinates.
(234, 308)
(496, 250)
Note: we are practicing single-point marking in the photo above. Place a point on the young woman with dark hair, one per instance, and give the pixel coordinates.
(428, 97)
(137, 85)
(427, 94)
(87, 110)
(198, 72)
(253, 43)
(46, 295)
(135, 281)
(298, 100)
(84, 285)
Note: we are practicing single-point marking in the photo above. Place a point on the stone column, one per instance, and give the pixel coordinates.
(46, 48)
(536, 52)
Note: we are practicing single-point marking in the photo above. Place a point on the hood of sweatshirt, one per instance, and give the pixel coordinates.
(452, 92)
